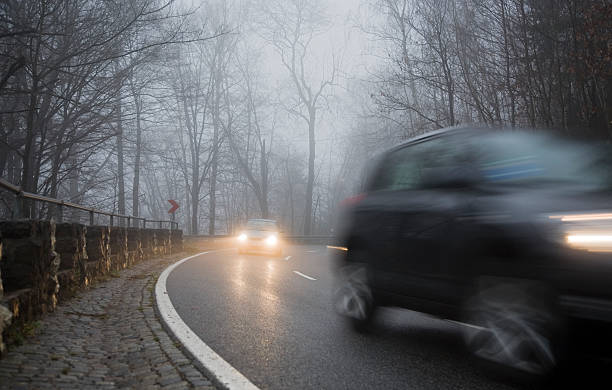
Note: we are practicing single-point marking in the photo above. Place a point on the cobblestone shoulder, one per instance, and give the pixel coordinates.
(107, 337)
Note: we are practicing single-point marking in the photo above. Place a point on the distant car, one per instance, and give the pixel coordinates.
(507, 231)
(260, 235)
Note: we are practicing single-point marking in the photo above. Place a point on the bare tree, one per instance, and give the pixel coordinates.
(290, 27)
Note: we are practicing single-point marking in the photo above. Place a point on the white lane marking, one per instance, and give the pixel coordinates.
(304, 276)
(312, 251)
(287, 258)
(226, 376)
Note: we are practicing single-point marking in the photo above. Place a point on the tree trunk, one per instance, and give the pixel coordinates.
(195, 177)
(136, 185)
(264, 182)
(311, 160)
(73, 180)
(120, 172)
(4, 150)
(213, 190)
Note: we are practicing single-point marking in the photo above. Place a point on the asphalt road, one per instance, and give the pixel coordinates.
(272, 319)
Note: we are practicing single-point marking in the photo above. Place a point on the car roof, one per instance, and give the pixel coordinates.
(437, 133)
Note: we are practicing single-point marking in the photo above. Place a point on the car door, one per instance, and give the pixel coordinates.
(379, 217)
(432, 236)
(426, 206)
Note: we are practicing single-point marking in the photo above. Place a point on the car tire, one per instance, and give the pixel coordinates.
(353, 297)
(514, 327)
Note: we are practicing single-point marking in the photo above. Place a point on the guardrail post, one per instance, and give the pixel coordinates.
(111, 221)
(91, 217)
(128, 222)
(160, 224)
(144, 223)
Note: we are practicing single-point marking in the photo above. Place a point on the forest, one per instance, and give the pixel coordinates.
(243, 109)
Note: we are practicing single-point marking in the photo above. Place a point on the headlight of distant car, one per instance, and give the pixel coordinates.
(271, 240)
(242, 237)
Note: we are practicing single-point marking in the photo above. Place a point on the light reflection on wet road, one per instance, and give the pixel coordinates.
(277, 327)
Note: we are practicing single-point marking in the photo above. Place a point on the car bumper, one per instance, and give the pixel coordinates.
(259, 246)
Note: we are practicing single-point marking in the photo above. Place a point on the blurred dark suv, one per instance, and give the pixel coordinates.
(508, 232)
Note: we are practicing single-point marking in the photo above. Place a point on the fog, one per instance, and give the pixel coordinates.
(271, 109)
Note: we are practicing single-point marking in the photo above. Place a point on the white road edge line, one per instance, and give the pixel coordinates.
(304, 276)
(221, 371)
(287, 258)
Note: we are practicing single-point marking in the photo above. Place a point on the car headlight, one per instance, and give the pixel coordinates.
(271, 240)
(242, 237)
(591, 232)
(592, 241)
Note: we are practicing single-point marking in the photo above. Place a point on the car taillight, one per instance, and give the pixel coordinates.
(353, 200)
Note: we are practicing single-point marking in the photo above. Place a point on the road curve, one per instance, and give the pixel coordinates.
(272, 320)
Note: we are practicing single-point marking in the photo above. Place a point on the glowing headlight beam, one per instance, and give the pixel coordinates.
(589, 238)
(271, 240)
(242, 237)
(582, 217)
(340, 248)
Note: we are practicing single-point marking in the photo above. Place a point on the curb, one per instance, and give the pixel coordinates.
(218, 370)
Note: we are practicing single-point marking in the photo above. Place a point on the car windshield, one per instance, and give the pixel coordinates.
(262, 224)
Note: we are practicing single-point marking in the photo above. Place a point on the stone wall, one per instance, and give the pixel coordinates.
(176, 239)
(30, 267)
(5, 314)
(71, 246)
(98, 252)
(134, 241)
(162, 243)
(118, 248)
(147, 241)
(41, 262)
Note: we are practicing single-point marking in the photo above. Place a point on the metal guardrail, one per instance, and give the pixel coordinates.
(20, 195)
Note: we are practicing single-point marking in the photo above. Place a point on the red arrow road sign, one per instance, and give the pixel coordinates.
(174, 206)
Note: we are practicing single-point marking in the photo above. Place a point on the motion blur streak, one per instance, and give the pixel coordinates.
(591, 242)
(582, 217)
(588, 238)
(340, 248)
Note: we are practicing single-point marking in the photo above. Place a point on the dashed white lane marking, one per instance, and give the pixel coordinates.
(312, 251)
(226, 376)
(287, 258)
(304, 276)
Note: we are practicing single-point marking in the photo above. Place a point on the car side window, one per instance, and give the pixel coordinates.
(400, 170)
(432, 163)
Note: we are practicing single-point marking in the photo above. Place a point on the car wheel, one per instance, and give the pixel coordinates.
(353, 298)
(514, 326)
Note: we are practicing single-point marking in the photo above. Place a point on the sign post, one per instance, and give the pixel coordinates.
(174, 207)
